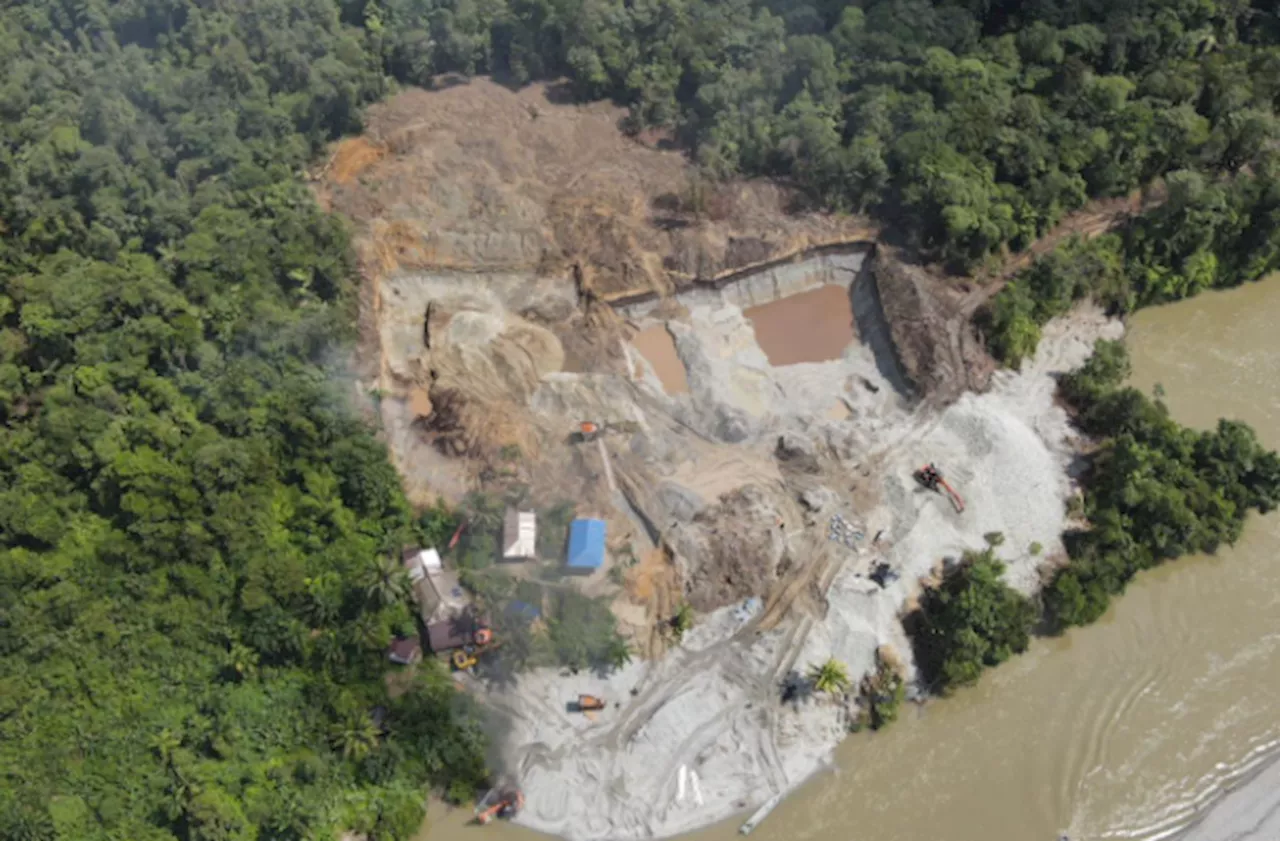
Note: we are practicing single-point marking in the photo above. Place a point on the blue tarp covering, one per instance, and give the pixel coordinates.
(586, 545)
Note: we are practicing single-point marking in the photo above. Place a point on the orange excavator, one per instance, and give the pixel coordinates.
(930, 477)
(590, 703)
(467, 656)
(503, 802)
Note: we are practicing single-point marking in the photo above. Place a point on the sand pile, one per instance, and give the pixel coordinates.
(713, 704)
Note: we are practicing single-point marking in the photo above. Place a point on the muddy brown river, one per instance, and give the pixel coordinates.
(1127, 729)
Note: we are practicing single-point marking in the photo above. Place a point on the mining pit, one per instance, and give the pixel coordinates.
(767, 383)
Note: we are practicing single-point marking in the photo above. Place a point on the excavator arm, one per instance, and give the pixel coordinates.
(956, 501)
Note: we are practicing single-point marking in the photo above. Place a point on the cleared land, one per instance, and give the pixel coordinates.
(515, 249)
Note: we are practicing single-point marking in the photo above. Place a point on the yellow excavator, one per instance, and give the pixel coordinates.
(467, 656)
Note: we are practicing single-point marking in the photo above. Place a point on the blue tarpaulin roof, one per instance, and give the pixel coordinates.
(586, 545)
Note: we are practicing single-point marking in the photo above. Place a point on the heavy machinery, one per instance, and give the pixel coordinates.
(590, 703)
(501, 802)
(468, 654)
(930, 477)
(591, 430)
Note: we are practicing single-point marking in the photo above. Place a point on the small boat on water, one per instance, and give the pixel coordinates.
(760, 814)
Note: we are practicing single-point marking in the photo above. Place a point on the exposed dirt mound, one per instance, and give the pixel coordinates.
(929, 323)
(351, 157)
(740, 550)
(478, 177)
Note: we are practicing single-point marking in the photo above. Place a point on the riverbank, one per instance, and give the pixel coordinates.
(712, 705)
(1248, 812)
(1129, 728)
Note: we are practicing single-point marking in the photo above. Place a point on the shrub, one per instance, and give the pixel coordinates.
(682, 621)
(583, 631)
(1156, 489)
(884, 692)
(969, 621)
(831, 676)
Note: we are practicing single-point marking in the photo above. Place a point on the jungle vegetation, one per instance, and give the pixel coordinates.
(1209, 233)
(198, 539)
(969, 125)
(1156, 489)
(970, 620)
(196, 533)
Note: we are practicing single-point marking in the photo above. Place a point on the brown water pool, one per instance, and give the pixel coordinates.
(812, 326)
(657, 346)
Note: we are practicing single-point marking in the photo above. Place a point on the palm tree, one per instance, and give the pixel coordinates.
(831, 677)
(355, 736)
(387, 583)
(483, 512)
(618, 654)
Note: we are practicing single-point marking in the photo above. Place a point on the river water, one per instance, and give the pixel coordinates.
(1126, 729)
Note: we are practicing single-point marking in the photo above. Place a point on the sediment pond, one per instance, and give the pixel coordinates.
(659, 350)
(811, 326)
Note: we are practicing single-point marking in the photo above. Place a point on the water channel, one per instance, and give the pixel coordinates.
(1127, 729)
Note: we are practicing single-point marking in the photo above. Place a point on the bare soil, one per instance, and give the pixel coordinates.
(478, 177)
(517, 252)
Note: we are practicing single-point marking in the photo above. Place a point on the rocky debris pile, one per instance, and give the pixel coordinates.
(930, 326)
(917, 320)
(733, 550)
(798, 452)
(844, 532)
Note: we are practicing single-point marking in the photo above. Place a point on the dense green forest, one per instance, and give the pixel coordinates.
(1209, 233)
(198, 542)
(1156, 489)
(969, 621)
(967, 124)
(197, 539)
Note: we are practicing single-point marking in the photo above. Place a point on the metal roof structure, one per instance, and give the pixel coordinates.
(519, 535)
(586, 545)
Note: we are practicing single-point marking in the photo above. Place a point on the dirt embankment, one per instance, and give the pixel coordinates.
(477, 177)
(931, 329)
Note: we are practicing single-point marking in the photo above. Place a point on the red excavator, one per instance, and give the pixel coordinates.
(930, 477)
(501, 802)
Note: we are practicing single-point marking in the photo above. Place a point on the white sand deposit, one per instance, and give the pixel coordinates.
(1249, 812)
(713, 704)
